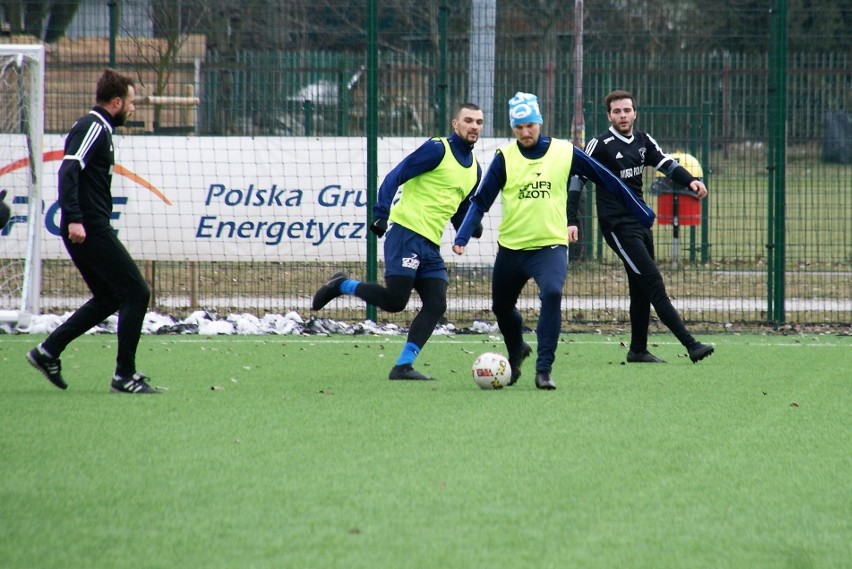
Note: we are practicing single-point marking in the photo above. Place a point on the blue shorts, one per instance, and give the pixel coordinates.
(409, 254)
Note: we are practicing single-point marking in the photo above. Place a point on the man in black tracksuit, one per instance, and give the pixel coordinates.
(626, 152)
(5, 210)
(85, 198)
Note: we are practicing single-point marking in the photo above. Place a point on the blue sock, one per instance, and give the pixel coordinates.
(348, 286)
(409, 352)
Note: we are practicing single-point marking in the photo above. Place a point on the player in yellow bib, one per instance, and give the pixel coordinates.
(435, 181)
(531, 175)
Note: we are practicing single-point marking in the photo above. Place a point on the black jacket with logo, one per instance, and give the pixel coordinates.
(626, 157)
(85, 176)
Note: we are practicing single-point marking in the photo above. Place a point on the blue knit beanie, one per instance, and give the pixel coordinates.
(523, 108)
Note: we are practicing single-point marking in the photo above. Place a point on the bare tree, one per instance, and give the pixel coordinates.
(172, 20)
(46, 21)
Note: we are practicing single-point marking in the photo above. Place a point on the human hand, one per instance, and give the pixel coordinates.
(379, 227)
(699, 188)
(573, 233)
(458, 249)
(76, 233)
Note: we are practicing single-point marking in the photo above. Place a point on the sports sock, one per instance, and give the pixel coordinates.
(409, 353)
(45, 352)
(348, 286)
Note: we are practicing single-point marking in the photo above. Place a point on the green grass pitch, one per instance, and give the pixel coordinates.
(298, 452)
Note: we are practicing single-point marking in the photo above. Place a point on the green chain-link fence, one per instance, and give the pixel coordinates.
(713, 104)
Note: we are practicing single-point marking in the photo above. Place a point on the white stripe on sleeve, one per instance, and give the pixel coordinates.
(92, 135)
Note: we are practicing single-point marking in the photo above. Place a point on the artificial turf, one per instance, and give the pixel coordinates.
(288, 451)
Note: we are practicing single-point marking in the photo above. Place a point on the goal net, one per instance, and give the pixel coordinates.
(21, 133)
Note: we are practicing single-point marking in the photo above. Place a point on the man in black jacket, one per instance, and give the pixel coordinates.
(85, 198)
(5, 210)
(626, 152)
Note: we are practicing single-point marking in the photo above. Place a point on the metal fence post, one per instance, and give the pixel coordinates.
(308, 108)
(114, 17)
(443, 80)
(706, 113)
(777, 109)
(372, 142)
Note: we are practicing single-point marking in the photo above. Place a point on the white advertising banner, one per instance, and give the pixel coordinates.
(228, 198)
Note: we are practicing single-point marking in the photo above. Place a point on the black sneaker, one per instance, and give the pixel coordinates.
(406, 372)
(329, 291)
(515, 363)
(50, 367)
(645, 357)
(544, 381)
(700, 351)
(135, 384)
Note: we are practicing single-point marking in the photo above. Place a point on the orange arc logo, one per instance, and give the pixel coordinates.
(54, 155)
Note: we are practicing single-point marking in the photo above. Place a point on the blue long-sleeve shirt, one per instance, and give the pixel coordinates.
(424, 159)
(581, 165)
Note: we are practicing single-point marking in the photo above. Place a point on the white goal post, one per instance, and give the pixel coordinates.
(22, 122)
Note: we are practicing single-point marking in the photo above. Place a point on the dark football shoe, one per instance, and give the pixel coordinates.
(544, 381)
(50, 367)
(700, 351)
(645, 357)
(515, 363)
(136, 384)
(329, 291)
(406, 372)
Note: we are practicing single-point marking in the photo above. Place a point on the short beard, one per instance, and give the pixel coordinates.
(624, 132)
(120, 118)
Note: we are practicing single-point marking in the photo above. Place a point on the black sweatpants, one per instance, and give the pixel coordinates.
(394, 296)
(634, 245)
(116, 285)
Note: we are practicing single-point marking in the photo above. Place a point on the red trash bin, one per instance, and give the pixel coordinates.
(675, 200)
(688, 209)
(677, 205)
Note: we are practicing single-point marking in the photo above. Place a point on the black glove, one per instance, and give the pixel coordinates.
(5, 210)
(379, 226)
(477, 232)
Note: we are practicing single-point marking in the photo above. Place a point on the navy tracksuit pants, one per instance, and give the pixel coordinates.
(548, 266)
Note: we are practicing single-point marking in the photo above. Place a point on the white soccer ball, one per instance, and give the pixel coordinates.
(492, 371)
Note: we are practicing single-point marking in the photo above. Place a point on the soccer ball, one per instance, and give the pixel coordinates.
(492, 371)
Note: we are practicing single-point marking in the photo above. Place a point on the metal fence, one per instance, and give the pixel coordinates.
(306, 94)
(712, 105)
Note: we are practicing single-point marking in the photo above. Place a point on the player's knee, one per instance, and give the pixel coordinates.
(652, 284)
(395, 306)
(550, 295)
(396, 301)
(437, 305)
(141, 293)
(502, 309)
